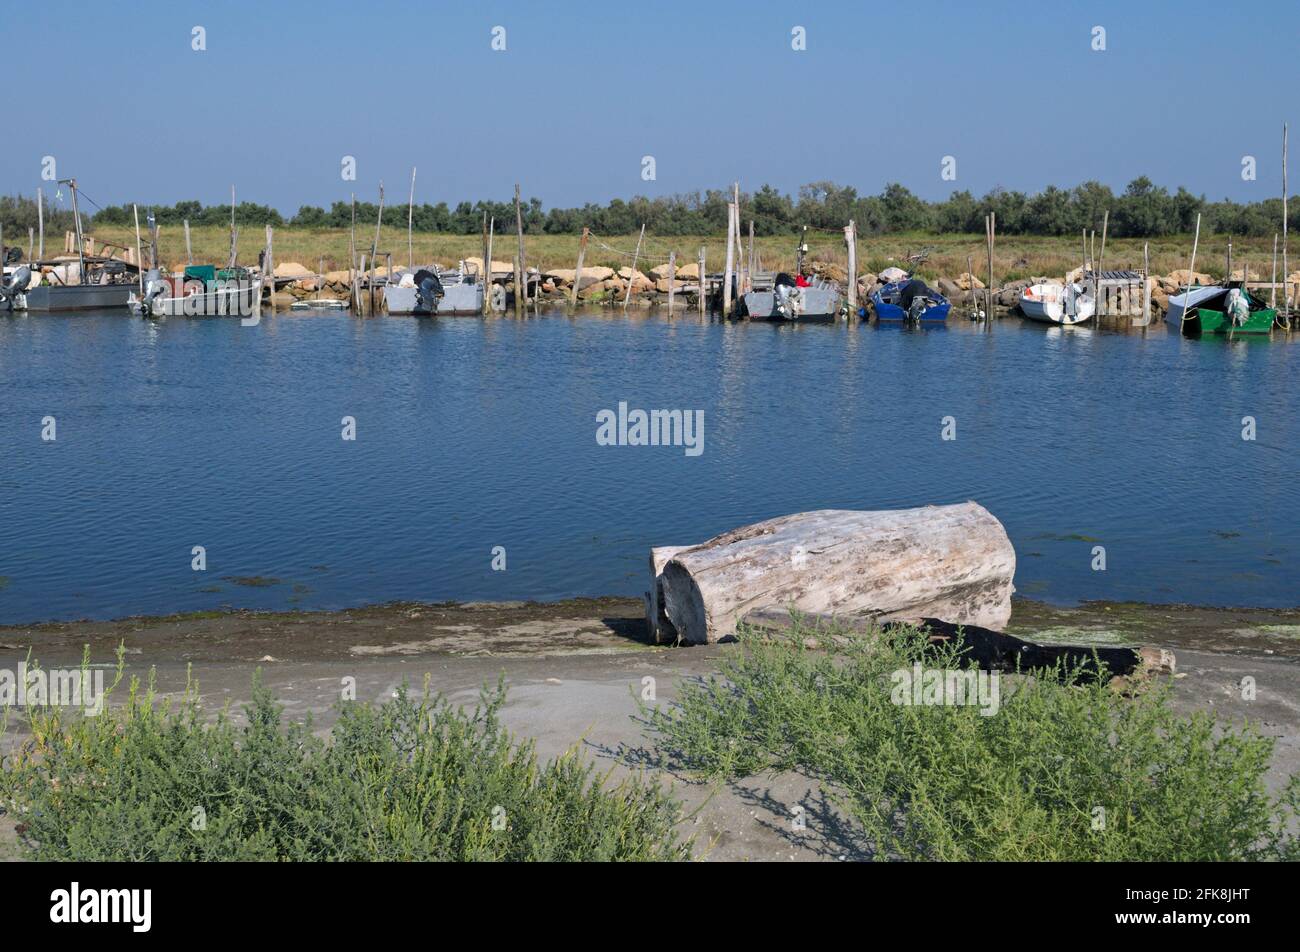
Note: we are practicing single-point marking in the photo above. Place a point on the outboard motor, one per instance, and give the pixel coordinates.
(15, 286)
(154, 288)
(428, 289)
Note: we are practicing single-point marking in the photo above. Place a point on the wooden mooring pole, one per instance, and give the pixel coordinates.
(727, 276)
(631, 278)
(40, 224)
(851, 240)
(487, 267)
(189, 254)
(703, 305)
(672, 272)
(410, 220)
(521, 272)
(577, 272)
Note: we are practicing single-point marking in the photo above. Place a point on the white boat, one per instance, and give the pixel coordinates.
(432, 291)
(1179, 303)
(237, 293)
(1052, 303)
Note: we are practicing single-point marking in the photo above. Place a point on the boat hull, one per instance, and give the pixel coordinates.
(78, 297)
(888, 311)
(1046, 305)
(457, 299)
(1206, 321)
(227, 299)
(813, 305)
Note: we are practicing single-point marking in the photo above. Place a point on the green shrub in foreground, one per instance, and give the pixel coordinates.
(409, 779)
(947, 783)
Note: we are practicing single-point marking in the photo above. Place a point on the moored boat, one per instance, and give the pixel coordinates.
(789, 300)
(910, 300)
(1052, 303)
(201, 291)
(433, 292)
(1230, 309)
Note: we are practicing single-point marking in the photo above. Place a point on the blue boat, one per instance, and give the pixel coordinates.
(911, 300)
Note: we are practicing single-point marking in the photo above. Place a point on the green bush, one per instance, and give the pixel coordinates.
(1031, 782)
(409, 779)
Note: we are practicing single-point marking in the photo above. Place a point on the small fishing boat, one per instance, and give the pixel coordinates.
(793, 297)
(433, 292)
(789, 300)
(911, 301)
(200, 291)
(1230, 309)
(1052, 303)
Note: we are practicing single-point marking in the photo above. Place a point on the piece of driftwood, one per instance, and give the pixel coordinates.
(951, 562)
(982, 647)
(660, 629)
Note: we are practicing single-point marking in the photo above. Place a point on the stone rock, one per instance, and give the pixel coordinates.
(662, 271)
(966, 281)
(890, 275)
(500, 269)
(292, 269)
(1250, 275)
(689, 271)
(1180, 277)
(337, 277)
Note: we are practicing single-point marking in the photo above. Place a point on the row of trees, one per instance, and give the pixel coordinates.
(1141, 210)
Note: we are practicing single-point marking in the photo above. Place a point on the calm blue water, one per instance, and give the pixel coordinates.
(473, 434)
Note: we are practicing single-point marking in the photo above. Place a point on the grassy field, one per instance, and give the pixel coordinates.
(1016, 256)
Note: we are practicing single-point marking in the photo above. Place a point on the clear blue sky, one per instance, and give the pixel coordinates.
(713, 90)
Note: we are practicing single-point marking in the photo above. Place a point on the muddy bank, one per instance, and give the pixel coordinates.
(578, 626)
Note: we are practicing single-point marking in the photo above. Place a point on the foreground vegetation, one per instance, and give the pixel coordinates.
(409, 779)
(1063, 767)
(1066, 769)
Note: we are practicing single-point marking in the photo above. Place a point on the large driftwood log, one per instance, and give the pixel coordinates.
(949, 562)
(657, 624)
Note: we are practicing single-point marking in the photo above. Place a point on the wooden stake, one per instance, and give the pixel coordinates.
(189, 255)
(40, 221)
(31, 238)
(270, 264)
(631, 279)
(1272, 292)
(410, 218)
(702, 302)
(139, 270)
(992, 228)
(672, 272)
(374, 250)
(749, 267)
(727, 276)
(487, 268)
(1146, 283)
(521, 286)
(234, 232)
(1228, 276)
(850, 239)
(577, 274)
(1286, 297)
(352, 259)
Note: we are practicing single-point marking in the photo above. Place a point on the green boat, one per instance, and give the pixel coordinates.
(1213, 314)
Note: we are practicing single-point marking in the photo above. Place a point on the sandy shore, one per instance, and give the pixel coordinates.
(574, 669)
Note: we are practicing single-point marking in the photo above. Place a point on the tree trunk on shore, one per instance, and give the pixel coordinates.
(949, 562)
